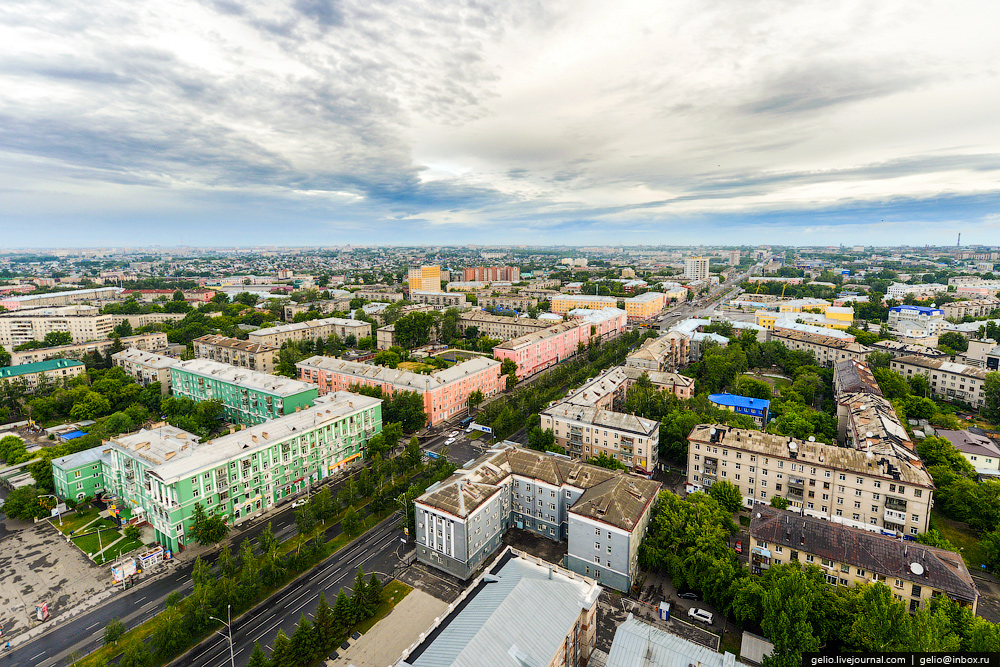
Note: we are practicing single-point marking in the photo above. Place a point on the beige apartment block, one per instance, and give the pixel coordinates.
(84, 323)
(243, 353)
(499, 327)
(438, 298)
(146, 367)
(828, 350)
(519, 303)
(854, 487)
(312, 329)
(151, 342)
(948, 380)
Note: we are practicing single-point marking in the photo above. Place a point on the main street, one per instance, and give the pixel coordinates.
(84, 633)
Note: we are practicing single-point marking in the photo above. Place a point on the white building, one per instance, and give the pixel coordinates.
(696, 268)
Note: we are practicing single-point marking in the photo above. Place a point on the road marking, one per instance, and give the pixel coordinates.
(90, 626)
(35, 656)
(276, 624)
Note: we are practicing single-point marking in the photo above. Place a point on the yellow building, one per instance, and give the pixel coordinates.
(566, 302)
(426, 279)
(765, 318)
(645, 306)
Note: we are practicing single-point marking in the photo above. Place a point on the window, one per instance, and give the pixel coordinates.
(842, 477)
(809, 558)
(845, 568)
(899, 583)
(860, 572)
(609, 548)
(597, 545)
(832, 580)
(859, 480)
(916, 591)
(878, 485)
(794, 555)
(917, 492)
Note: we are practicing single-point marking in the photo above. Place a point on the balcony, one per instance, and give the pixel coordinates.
(894, 517)
(897, 504)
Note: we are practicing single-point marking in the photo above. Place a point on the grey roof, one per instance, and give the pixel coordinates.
(235, 343)
(851, 376)
(887, 556)
(78, 459)
(970, 443)
(942, 365)
(489, 626)
(639, 644)
(604, 418)
(149, 359)
(406, 380)
(242, 377)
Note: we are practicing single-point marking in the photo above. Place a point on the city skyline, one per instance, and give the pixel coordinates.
(314, 122)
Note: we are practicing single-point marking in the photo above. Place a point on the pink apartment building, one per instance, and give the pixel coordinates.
(606, 323)
(541, 349)
(445, 392)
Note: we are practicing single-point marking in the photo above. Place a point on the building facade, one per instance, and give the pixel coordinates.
(492, 274)
(563, 303)
(97, 296)
(438, 298)
(248, 397)
(825, 481)
(425, 278)
(35, 373)
(235, 352)
(151, 342)
(312, 329)
(976, 308)
(145, 367)
(499, 327)
(828, 350)
(445, 392)
(84, 323)
(696, 268)
(518, 303)
(645, 306)
(948, 380)
(757, 409)
(930, 320)
(539, 350)
(324, 307)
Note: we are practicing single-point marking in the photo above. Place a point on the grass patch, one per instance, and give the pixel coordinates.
(730, 642)
(475, 435)
(103, 656)
(416, 367)
(75, 521)
(90, 544)
(964, 539)
(393, 593)
(123, 547)
(745, 521)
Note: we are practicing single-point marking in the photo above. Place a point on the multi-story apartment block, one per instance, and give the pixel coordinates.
(602, 513)
(381, 295)
(514, 302)
(445, 392)
(930, 320)
(606, 323)
(145, 319)
(499, 327)
(84, 323)
(80, 475)
(645, 306)
(438, 298)
(150, 342)
(539, 350)
(312, 330)
(899, 290)
(520, 587)
(540, 293)
(850, 556)
(898, 349)
(696, 268)
(851, 486)
(589, 431)
(679, 385)
(249, 397)
(145, 367)
(950, 381)
(425, 279)
(161, 473)
(492, 274)
(665, 353)
(977, 308)
(98, 296)
(828, 350)
(324, 307)
(563, 303)
(243, 353)
(50, 370)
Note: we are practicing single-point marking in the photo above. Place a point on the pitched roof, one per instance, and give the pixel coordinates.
(880, 554)
(639, 644)
(970, 443)
(46, 366)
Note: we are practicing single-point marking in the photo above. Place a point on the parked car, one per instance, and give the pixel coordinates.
(700, 615)
(453, 434)
(688, 595)
(300, 502)
(739, 546)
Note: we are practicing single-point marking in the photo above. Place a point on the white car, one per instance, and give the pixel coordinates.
(300, 502)
(700, 615)
(449, 441)
(453, 434)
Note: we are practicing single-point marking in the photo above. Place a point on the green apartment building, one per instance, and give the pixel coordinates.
(249, 397)
(158, 475)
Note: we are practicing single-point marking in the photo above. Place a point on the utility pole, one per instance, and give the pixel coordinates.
(229, 629)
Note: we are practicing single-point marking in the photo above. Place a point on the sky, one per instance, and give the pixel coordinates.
(241, 122)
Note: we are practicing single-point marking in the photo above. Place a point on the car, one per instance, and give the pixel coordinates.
(449, 441)
(469, 430)
(700, 615)
(300, 502)
(453, 434)
(688, 595)
(739, 546)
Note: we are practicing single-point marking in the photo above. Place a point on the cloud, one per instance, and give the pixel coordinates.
(522, 118)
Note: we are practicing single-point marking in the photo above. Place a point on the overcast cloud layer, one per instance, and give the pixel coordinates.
(125, 122)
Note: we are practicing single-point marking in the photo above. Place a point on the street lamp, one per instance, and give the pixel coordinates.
(229, 628)
(56, 498)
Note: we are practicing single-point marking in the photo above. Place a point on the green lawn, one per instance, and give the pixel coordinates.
(963, 538)
(90, 544)
(75, 521)
(778, 383)
(416, 367)
(393, 593)
(123, 547)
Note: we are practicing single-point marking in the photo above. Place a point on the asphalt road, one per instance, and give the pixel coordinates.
(135, 606)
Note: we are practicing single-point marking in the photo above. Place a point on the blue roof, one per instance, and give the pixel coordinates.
(736, 401)
(920, 309)
(72, 435)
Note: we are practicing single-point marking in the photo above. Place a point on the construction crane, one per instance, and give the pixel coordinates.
(783, 290)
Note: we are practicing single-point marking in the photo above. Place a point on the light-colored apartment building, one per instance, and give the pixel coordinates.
(679, 385)
(899, 349)
(499, 327)
(850, 556)
(425, 279)
(979, 450)
(930, 320)
(381, 295)
(563, 303)
(145, 367)
(668, 352)
(948, 380)
(540, 293)
(323, 307)
(98, 296)
(849, 486)
(461, 522)
(696, 268)
(645, 306)
(539, 350)
(84, 323)
(445, 392)
(518, 303)
(828, 350)
(243, 353)
(976, 308)
(151, 342)
(606, 323)
(50, 370)
(312, 329)
(145, 319)
(248, 397)
(899, 290)
(438, 298)
(161, 473)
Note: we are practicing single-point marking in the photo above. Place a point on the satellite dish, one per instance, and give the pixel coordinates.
(712, 431)
(758, 515)
(869, 434)
(916, 568)
(792, 446)
(812, 438)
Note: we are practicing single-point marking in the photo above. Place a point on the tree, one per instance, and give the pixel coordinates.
(351, 523)
(387, 358)
(132, 533)
(325, 623)
(727, 495)
(4, 357)
(305, 521)
(54, 338)
(114, 631)
(359, 597)
(604, 460)
(207, 529)
(785, 620)
(305, 645)
(991, 397)
(475, 398)
(177, 296)
(880, 621)
(953, 341)
(779, 502)
(343, 613)
(322, 503)
(124, 329)
(373, 592)
(281, 652)
(136, 655)
(257, 657)
(170, 635)
(23, 504)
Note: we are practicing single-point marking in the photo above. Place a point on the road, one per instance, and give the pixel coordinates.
(84, 633)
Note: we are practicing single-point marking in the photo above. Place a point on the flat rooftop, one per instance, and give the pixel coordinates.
(241, 377)
(398, 377)
(236, 344)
